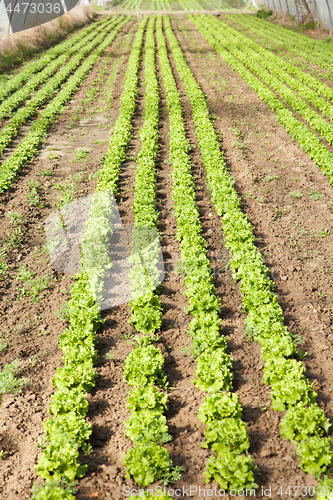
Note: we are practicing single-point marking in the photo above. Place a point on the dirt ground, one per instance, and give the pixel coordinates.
(267, 166)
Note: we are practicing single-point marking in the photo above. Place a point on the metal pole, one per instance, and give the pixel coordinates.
(280, 6)
(330, 12)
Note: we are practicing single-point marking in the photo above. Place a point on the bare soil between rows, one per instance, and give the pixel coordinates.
(287, 232)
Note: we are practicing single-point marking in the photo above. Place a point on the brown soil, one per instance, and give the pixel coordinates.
(287, 231)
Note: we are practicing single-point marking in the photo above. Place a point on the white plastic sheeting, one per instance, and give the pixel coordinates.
(251, 2)
(19, 15)
(321, 10)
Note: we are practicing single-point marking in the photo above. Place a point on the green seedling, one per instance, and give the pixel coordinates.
(3, 342)
(53, 156)
(62, 313)
(33, 198)
(24, 274)
(295, 194)
(33, 184)
(324, 232)
(32, 361)
(16, 218)
(8, 380)
(16, 237)
(271, 178)
(315, 194)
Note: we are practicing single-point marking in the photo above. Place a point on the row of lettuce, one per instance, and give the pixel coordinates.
(307, 139)
(26, 74)
(283, 67)
(149, 460)
(22, 115)
(226, 433)
(290, 43)
(21, 95)
(28, 147)
(304, 422)
(67, 431)
(248, 52)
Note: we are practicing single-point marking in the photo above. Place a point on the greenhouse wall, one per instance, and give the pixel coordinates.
(321, 10)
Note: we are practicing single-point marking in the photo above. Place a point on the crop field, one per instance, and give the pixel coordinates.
(215, 133)
(186, 5)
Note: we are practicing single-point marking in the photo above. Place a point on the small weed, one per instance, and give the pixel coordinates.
(32, 361)
(315, 194)
(73, 122)
(322, 295)
(260, 201)
(33, 198)
(324, 232)
(3, 251)
(78, 176)
(295, 194)
(46, 172)
(100, 142)
(60, 186)
(53, 156)
(185, 350)
(16, 237)
(249, 194)
(271, 178)
(239, 145)
(16, 218)
(93, 176)
(62, 313)
(36, 285)
(81, 155)
(172, 476)
(3, 269)
(279, 212)
(33, 184)
(108, 355)
(3, 342)
(8, 381)
(127, 336)
(24, 274)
